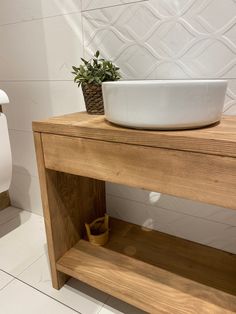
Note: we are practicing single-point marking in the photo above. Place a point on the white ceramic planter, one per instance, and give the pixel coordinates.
(164, 104)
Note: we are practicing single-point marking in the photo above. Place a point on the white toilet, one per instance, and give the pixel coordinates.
(5, 149)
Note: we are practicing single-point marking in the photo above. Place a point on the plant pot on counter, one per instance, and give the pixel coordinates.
(98, 231)
(93, 98)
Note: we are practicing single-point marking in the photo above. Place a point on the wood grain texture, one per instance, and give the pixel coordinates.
(200, 263)
(68, 201)
(4, 200)
(217, 139)
(58, 279)
(195, 176)
(153, 287)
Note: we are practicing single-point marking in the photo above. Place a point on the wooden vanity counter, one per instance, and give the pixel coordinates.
(159, 273)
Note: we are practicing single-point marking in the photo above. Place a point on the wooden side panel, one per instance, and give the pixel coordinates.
(196, 176)
(68, 202)
(4, 200)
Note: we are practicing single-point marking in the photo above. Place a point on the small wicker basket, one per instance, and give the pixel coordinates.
(98, 231)
(93, 98)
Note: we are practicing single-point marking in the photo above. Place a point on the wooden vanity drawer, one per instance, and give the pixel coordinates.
(197, 176)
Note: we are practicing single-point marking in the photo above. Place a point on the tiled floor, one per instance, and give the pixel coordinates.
(25, 286)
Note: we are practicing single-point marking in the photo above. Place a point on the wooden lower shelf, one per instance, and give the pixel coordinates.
(156, 272)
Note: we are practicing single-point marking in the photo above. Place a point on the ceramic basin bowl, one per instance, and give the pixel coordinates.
(164, 104)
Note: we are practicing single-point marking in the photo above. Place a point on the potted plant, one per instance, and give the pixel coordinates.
(98, 231)
(90, 76)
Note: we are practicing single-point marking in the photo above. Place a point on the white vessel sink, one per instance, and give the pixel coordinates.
(164, 104)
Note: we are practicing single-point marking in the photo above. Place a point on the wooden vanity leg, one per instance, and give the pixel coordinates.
(68, 202)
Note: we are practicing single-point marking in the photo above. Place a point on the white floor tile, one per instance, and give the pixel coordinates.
(75, 294)
(18, 298)
(116, 306)
(22, 240)
(4, 279)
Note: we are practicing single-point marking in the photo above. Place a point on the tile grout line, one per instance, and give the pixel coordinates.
(104, 303)
(113, 6)
(12, 279)
(36, 289)
(41, 18)
(35, 80)
(172, 210)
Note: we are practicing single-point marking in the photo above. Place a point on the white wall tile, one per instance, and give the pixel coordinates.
(23, 152)
(226, 216)
(169, 202)
(196, 229)
(25, 10)
(42, 49)
(225, 240)
(96, 4)
(34, 100)
(22, 299)
(25, 192)
(141, 214)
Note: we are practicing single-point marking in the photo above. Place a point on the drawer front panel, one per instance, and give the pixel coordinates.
(201, 177)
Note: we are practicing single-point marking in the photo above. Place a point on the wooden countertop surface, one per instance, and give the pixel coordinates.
(218, 139)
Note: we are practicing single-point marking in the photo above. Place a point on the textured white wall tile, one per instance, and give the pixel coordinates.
(41, 49)
(23, 152)
(169, 39)
(25, 10)
(230, 101)
(36, 100)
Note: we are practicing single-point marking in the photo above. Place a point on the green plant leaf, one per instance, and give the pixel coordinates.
(84, 61)
(95, 71)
